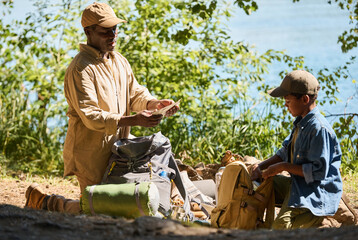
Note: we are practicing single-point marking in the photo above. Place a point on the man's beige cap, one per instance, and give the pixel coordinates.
(100, 14)
(298, 81)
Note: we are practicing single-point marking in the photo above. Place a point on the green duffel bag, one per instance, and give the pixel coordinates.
(128, 200)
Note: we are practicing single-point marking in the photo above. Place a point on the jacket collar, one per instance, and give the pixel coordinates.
(302, 122)
(92, 51)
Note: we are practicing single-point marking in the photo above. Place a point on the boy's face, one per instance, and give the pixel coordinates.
(295, 106)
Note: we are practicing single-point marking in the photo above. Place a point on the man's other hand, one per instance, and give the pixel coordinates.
(146, 119)
(159, 104)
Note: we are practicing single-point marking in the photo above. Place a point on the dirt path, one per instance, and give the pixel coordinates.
(19, 223)
(13, 190)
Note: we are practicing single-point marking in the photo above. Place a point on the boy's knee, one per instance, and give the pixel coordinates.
(281, 185)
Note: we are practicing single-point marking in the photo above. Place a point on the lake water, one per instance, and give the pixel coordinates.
(309, 28)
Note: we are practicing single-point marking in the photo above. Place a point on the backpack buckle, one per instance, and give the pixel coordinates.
(243, 204)
(130, 165)
(251, 192)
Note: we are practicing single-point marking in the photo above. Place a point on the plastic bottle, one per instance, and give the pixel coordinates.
(255, 184)
(164, 174)
(217, 182)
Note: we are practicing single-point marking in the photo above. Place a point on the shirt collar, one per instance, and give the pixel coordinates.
(301, 122)
(92, 51)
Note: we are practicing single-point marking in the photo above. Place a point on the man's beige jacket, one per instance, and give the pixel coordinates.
(99, 92)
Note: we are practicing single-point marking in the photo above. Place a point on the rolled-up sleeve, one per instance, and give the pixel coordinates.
(83, 97)
(282, 153)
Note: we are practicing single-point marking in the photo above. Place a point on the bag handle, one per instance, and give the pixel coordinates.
(90, 199)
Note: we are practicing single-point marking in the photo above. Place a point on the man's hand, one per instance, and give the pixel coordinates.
(159, 104)
(146, 119)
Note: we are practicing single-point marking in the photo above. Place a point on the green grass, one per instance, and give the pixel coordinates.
(350, 186)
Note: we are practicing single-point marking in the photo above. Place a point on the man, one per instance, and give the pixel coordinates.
(101, 92)
(311, 154)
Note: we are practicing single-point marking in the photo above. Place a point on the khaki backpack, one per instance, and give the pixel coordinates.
(239, 205)
(345, 215)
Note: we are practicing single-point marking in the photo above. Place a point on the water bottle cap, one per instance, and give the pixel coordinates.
(164, 174)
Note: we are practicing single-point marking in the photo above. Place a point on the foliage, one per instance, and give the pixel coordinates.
(200, 65)
(347, 131)
(247, 5)
(33, 62)
(349, 39)
(347, 125)
(179, 50)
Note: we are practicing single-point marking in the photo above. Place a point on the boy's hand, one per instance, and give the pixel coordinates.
(273, 170)
(256, 172)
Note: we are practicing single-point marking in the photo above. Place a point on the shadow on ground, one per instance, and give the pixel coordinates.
(19, 223)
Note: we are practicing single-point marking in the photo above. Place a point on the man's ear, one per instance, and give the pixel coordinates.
(88, 31)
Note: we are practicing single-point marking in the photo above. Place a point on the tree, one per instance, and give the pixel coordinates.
(178, 49)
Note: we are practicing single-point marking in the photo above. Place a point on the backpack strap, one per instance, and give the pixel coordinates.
(270, 207)
(179, 184)
(136, 193)
(255, 194)
(248, 206)
(90, 199)
(197, 201)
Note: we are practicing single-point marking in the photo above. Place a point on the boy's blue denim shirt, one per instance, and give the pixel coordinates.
(317, 150)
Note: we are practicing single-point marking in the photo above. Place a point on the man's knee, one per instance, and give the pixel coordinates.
(84, 182)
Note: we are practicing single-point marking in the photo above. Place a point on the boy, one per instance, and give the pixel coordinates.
(311, 154)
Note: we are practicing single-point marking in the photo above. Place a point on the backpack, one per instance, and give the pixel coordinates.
(147, 159)
(239, 205)
(345, 215)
